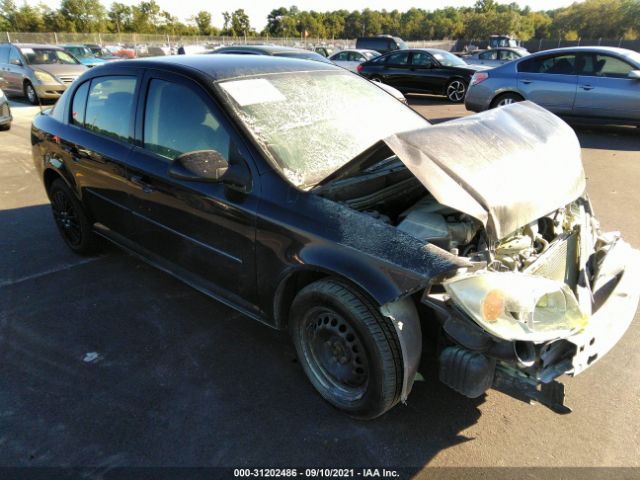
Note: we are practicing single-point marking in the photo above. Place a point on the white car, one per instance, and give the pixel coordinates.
(350, 59)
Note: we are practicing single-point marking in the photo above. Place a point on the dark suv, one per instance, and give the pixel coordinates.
(382, 43)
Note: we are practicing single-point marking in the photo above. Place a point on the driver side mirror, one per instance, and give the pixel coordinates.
(210, 166)
(199, 166)
(634, 74)
(15, 61)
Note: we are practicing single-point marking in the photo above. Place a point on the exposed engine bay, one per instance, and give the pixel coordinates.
(390, 193)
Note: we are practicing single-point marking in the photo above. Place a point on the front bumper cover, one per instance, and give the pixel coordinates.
(615, 293)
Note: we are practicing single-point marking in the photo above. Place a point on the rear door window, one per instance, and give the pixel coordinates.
(564, 64)
(342, 56)
(489, 55)
(399, 58)
(110, 106)
(422, 59)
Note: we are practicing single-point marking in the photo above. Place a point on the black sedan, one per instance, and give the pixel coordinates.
(309, 199)
(422, 70)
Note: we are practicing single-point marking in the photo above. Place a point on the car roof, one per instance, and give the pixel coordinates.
(222, 67)
(619, 51)
(267, 49)
(35, 45)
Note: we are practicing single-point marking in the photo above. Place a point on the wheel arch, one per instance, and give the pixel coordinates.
(401, 312)
(505, 91)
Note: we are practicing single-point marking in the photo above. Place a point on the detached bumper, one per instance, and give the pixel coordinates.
(618, 281)
(480, 361)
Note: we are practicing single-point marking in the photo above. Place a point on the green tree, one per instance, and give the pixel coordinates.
(203, 22)
(120, 16)
(84, 16)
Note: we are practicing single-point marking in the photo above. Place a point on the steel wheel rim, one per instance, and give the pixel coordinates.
(66, 218)
(335, 354)
(456, 90)
(31, 93)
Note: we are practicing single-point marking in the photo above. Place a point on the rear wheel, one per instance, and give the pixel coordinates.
(456, 90)
(30, 93)
(71, 219)
(506, 99)
(6, 126)
(349, 352)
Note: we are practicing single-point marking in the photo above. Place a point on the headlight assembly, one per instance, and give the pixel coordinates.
(515, 306)
(44, 77)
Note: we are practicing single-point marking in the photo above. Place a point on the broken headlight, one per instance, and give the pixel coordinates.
(516, 306)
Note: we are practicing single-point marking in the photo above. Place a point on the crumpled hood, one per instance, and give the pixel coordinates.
(505, 167)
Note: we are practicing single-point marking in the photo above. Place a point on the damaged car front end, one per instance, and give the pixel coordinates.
(481, 223)
(547, 293)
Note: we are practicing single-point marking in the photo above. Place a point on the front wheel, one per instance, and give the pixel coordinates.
(349, 352)
(31, 94)
(456, 90)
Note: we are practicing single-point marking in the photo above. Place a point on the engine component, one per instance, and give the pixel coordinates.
(428, 222)
(466, 372)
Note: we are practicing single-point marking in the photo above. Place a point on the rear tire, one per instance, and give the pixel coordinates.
(349, 352)
(72, 221)
(31, 94)
(5, 127)
(456, 90)
(506, 99)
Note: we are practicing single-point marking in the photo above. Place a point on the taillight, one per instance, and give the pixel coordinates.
(359, 67)
(478, 77)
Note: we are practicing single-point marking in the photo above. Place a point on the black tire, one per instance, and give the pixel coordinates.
(31, 94)
(349, 352)
(456, 90)
(5, 127)
(506, 99)
(71, 219)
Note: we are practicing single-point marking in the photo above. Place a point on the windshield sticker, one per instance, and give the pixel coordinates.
(27, 51)
(253, 91)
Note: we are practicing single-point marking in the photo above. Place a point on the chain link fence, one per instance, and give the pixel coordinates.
(537, 45)
(133, 39)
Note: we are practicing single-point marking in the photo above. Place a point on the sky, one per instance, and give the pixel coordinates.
(258, 10)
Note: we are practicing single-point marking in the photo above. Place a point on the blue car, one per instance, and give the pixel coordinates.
(593, 84)
(84, 55)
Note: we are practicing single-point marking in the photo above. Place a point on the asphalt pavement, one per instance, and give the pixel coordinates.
(107, 362)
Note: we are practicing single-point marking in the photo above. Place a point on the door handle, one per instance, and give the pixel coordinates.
(527, 82)
(138, 180)
(587, 87)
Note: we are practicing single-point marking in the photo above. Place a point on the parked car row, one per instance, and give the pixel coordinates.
(593, 84)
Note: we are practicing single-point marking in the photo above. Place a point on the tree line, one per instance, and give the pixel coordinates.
(590, 19)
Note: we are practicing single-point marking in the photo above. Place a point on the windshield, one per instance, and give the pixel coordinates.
(81, 52)
(47, 56)
(312, 123)
(634, 57)
(448, 59)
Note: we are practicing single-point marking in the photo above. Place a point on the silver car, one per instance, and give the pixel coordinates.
(599, 84)
(38, 71)
(496, 56)
(351, 58)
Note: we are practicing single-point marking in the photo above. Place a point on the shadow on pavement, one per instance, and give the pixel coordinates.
(110, 362)
(609, 137)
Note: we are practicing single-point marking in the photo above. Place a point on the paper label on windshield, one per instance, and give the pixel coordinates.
(253, 91)
(26, 51)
